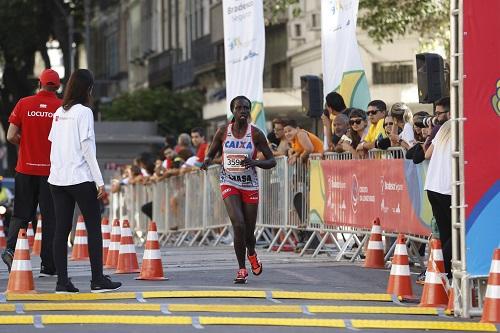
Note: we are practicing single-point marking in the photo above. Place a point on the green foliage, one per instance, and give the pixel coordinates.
(275, 10)
(386, 19)
(175, 112)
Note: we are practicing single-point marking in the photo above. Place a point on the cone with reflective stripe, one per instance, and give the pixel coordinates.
(21, 275)
(435, 293)
(106, 239)
(152, 268)
(450, 309)
(80, 247)
(127, 258)
(375, 253)
(399, 280)
(3, 241)
(491, 306)
(114, 245)
(37, 245)
(31, 234)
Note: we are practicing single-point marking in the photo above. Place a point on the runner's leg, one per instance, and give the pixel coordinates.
(235, 211)
(250, 213)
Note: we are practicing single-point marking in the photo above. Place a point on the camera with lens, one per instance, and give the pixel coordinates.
(425, 121)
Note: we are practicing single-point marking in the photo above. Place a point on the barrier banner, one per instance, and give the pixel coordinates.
(353, 193)
(244, 46)
(481, 102)
(342, 66)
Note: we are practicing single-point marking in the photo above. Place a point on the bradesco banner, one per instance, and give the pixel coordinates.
(244, 46)
(353, 194)
(481, 102)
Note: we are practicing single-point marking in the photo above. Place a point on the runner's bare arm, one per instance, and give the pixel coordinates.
(14, 134)
(215, 147)
(261, 145)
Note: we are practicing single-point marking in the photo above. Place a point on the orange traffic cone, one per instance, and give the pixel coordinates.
(31, 234)
(152, 268)
(450, 309)
(491, 307)
(21, 275)
(106, 236)
(114, 245)
(80, 247)
(435, 293)
(37, 245)
(375, 253)
(3, 241)
(399, 280)
(127, 258)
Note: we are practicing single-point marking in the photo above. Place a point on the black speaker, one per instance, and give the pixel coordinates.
(312, 95)
(430, 77)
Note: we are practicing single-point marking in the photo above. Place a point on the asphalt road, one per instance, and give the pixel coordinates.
(212, 268)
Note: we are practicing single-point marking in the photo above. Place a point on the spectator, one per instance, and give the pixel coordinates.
(438, 187)
(277, 141)
(201, 146)
(442, 114)
(356, 133)
(184, 148)
(419, 133)
(376, 113)
(340, 127)
(334, 105)
(385, 142)
(402, 119)
(302, 143)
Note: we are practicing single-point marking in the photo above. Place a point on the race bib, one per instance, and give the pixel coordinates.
(232, 162)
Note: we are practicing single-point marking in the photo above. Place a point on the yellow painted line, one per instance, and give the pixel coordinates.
(332, 296)
(372, 309)
(339, 323)
(116, 320)
(223, 308)
(423, 325)
(201, 294)
(260, 321)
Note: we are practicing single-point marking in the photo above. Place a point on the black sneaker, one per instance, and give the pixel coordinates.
(104, 285)
(47, 271)
(8, 257)
(67, 288)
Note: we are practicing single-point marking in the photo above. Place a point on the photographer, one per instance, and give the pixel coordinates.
(433, 123)
(402, 119)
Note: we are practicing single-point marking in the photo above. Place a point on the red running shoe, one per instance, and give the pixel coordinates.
(256, 264)
(241, 276)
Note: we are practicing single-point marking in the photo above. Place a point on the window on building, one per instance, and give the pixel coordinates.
(314, 21)
(112, 61)
(297, 30)
(392, 72)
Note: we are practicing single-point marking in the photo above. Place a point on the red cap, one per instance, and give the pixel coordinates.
(49, 77)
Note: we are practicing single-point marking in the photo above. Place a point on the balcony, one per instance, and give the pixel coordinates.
(182, 74)
(160, 67)
(207, 56)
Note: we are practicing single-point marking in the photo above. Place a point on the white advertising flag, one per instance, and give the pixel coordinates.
(342, 66)
(244, 46)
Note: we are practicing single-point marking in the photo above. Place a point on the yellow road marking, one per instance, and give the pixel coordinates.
(205, 320)
(201, 294)
(426, 325)
(219, 308)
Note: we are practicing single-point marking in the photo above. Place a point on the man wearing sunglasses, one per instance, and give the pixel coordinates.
(377, 110)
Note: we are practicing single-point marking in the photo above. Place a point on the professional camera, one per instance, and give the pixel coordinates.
(425, 121)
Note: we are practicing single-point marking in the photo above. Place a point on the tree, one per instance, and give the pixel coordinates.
(386, 19)
(175, 112)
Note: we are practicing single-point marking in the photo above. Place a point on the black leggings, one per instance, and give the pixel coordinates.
(243, 217)
(440, 204)
(85, 195)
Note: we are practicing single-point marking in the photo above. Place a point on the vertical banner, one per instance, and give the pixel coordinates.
(244, 46)
(342, 66)
(481, 103)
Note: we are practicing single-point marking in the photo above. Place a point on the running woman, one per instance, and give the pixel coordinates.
(239, 142)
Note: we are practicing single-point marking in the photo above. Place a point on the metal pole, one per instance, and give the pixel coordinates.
(86, 7)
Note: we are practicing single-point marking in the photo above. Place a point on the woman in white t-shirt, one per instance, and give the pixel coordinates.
(75, 178)
(438, 186)
(403, 118)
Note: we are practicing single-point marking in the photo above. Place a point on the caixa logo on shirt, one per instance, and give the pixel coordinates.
(40, 114)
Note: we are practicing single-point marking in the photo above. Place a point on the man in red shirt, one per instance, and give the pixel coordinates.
(198, 139)
(30, 124)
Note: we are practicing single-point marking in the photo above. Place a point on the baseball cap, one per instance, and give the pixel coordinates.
(49, 77)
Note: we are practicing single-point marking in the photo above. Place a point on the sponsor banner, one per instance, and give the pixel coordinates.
(244, 46)
(350, 193)
(481, 103)
(342, 66)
